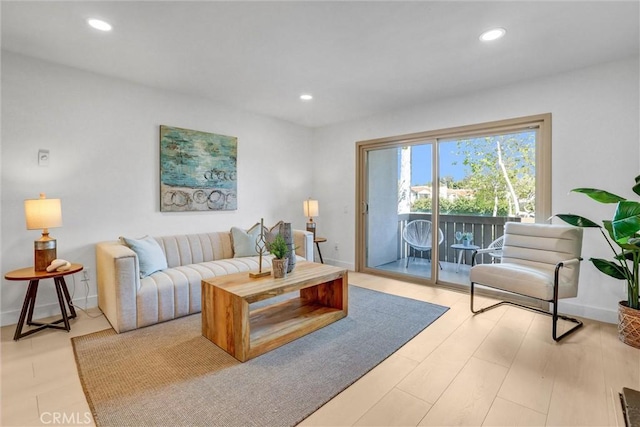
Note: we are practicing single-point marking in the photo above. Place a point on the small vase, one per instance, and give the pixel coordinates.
(465, 242)
(628, 324)
(279, 267)
(285, 232)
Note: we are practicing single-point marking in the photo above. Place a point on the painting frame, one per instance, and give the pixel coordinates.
(198, 171)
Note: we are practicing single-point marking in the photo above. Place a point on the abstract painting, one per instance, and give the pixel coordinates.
(198, 171)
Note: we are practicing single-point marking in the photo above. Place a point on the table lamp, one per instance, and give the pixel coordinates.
(43, 214)
(310, 208)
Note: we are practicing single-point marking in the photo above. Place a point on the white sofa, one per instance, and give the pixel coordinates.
(130, 302)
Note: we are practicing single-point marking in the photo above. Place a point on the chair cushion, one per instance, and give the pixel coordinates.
(521, 279)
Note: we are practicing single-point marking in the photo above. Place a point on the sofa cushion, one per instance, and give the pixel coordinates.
(185, 249)
(176, 292)
(150, 255)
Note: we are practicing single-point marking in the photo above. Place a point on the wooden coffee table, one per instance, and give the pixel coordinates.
(230, 323)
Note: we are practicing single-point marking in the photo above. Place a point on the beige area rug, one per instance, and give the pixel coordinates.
(170, 375)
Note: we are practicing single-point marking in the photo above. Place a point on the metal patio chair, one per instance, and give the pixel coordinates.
(417, 234)
(496, 245)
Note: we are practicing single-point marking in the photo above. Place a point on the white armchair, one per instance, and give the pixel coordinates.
(539, 261)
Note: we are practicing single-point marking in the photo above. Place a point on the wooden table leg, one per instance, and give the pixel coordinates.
(29, 302)
(67, 297)
(63, 309)
(319, 252)
(32, 291)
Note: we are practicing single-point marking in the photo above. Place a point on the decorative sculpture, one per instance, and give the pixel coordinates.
(260, 248)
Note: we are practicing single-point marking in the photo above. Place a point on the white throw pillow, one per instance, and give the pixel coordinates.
(244, 241)
(150, 255)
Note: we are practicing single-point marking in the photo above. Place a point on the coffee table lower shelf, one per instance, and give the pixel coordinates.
(281, 323)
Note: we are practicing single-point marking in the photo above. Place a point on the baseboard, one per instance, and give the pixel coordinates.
(595, 313)
(572, 309)
(47, 310)
(338, 263)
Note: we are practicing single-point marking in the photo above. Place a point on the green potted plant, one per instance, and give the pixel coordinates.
(623, 230)
(279, 263)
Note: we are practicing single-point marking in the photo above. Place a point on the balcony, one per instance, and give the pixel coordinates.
(484, 229)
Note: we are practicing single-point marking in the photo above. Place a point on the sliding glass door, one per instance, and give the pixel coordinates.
(393, 243)
(485, 181)
(429, 200)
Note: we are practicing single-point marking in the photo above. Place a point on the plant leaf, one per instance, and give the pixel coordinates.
(577, 220)
(626, 243)
(636, 188)
(635, 241)
(626, 220)
(599, 195)
(625, 256)
(609, 268)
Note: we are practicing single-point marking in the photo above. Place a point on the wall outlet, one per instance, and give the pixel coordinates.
(85, 274)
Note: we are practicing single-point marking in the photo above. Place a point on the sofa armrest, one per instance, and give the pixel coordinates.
(303, 240)
(118, 278)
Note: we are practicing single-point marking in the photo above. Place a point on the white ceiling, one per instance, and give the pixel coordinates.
(356, 58)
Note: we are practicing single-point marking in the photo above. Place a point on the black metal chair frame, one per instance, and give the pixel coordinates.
(554, 314)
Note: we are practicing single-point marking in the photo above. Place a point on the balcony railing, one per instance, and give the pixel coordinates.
(485, 229)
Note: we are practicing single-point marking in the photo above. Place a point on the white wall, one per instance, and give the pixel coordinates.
(103, 135)
(596, 143)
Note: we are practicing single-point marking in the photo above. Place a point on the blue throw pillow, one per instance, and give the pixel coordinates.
(150, 255)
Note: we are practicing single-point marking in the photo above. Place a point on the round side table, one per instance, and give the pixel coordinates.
(64, 299)
(461, 249)
(317, 241)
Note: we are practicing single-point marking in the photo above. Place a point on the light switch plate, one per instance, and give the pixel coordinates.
(43, 157)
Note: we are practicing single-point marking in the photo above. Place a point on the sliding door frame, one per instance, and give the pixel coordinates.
(540, 122)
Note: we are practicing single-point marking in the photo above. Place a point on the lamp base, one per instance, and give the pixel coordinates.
(45, 251)
(311, 227)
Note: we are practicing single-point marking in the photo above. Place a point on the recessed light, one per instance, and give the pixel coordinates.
(492, 34)
(306, 97)
(99, 24)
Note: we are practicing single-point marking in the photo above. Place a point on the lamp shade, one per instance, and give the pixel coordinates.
(43, 213)
(310, 208)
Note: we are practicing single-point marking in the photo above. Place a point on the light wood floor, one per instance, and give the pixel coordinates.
(496, 368)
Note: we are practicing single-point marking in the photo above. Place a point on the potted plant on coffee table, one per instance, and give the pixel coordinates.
(279, 263)
(623, 230)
